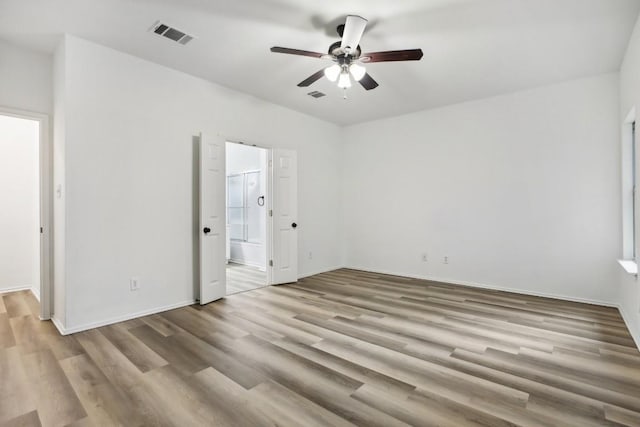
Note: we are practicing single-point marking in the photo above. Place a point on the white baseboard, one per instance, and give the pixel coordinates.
(245, 262)
(15, 289)
(58, 324)
(323, 270)
(36, 292)
(66, 331)
(74, 329)
(491, 287)
(625, 317)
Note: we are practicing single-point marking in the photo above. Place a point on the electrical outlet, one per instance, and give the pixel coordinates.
(446, 260)
(424, 257)
(310, 255)
(134, 283)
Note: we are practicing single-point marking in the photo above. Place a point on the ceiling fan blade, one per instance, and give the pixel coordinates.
(278, 49)
(353, 29)
(311, 79)
(367, 82)
(392, 55)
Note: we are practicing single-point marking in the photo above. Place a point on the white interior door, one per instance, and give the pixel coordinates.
(213, 279)
(285, 217)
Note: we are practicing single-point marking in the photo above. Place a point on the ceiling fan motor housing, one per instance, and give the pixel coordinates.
(342, 57)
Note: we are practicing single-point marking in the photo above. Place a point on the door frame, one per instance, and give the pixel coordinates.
(46, 202)
(269, 205)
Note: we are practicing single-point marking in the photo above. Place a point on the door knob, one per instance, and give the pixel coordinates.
(294, 225)
(206, 230)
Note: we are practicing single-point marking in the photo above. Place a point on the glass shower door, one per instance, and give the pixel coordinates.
(235, 206)
(244, 191)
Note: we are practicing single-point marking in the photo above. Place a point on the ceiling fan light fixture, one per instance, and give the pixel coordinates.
(348, 57)
(344, 81)
(357, 71)
(332, 72)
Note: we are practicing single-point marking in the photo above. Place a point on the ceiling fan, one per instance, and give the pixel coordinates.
(348, 57)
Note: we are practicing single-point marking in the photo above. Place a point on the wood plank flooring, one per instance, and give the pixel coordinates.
(337, 349)
(242, 278)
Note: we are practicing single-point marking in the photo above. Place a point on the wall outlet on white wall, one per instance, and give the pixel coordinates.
(445, 260)
(134, 283)
(424, 257)
(310, 255)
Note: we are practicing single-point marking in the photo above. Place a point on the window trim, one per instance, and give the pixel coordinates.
(630, 204)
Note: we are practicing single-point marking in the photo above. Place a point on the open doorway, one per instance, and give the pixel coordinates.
(269, 250)
(23, 217)
(247, 201)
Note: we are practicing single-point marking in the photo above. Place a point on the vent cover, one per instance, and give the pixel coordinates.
(171, 33)
(316, 94)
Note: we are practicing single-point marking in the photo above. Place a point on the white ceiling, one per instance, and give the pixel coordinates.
(472, 48)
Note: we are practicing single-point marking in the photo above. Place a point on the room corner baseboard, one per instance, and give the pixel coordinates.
(490, 287)
(627, 322)
(250, 264)
(58, 324)
(74, 329)
(323, 270)
(15, 289)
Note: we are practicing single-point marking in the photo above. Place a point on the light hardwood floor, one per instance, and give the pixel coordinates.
(242, 278)
(340, 348)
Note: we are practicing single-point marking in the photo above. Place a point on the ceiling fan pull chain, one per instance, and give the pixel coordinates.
(344, 93)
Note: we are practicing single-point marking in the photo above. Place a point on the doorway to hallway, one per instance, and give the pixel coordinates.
(24, 221)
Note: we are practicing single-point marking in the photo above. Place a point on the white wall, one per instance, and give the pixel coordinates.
(519, 191)
(240, 159)
(129, 168)
(25, 79)
(20, 209)
(629, 288)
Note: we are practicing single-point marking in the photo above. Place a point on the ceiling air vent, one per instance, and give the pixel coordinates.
(316, 94)
(171, 33)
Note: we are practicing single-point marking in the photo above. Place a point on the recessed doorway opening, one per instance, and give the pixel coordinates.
(247, 201)
(24, 231)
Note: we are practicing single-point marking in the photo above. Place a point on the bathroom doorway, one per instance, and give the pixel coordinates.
(247, 202)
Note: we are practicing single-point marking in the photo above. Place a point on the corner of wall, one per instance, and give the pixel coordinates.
(628, 291)
(58, 293)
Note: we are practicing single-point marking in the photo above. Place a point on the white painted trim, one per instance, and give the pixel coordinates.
(269, 253)
(58, 324)
(629, 266)
(491, 287)
(631, 116)
(66, 331)
(36, 293)
(323, 270)
(627, 184)
(15, 289)
(636, 339)
(249, 263)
